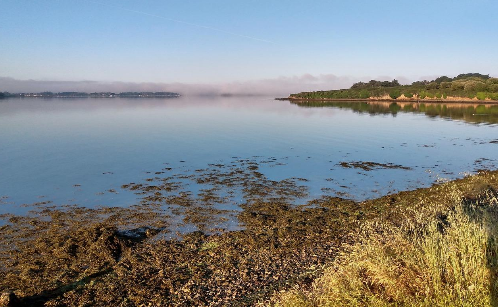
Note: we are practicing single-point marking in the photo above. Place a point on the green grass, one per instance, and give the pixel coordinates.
(450, 259)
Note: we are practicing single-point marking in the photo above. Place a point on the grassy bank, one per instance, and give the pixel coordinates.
(448, 260)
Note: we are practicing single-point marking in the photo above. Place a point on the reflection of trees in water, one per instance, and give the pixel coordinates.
(471, 113)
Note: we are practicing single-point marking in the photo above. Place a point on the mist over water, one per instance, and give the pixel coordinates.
(81, 151)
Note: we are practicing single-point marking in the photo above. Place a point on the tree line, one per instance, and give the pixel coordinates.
(470, 85)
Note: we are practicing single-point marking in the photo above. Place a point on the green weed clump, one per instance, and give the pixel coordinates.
(450, 260)
(482, 95)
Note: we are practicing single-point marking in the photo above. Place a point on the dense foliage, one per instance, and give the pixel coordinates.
(471, 85)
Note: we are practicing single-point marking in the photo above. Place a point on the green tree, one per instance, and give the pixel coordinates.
(445, 85)
(493, 88)
(432, 86)
(443, 79)
(470, 75)
(457, 85)
(474, 86)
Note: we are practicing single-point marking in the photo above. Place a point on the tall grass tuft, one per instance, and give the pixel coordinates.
(450, 260)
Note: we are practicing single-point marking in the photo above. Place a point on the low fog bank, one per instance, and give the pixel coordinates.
(278, 87)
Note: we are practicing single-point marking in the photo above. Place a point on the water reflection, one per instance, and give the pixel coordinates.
(470, 113)
(85, 151)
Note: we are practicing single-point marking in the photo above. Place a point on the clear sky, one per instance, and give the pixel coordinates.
(209, 41)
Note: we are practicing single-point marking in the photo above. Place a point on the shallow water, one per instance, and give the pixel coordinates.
(81, 151)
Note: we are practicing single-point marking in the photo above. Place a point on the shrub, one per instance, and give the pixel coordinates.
(364, 94)
(394, 94)
(481, 95)
(493, 96)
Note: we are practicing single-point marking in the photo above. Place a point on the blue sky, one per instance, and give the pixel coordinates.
(219, 41)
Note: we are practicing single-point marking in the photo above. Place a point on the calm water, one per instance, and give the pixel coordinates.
(81, 151)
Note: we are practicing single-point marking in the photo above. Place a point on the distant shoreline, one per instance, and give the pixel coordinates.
(92, 95)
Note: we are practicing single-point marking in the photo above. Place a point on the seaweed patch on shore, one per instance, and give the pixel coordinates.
(369, 166)
(221, 187)
(53, 249)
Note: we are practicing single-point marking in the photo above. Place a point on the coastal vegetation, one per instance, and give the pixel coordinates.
(464, 86)
(449, 260)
